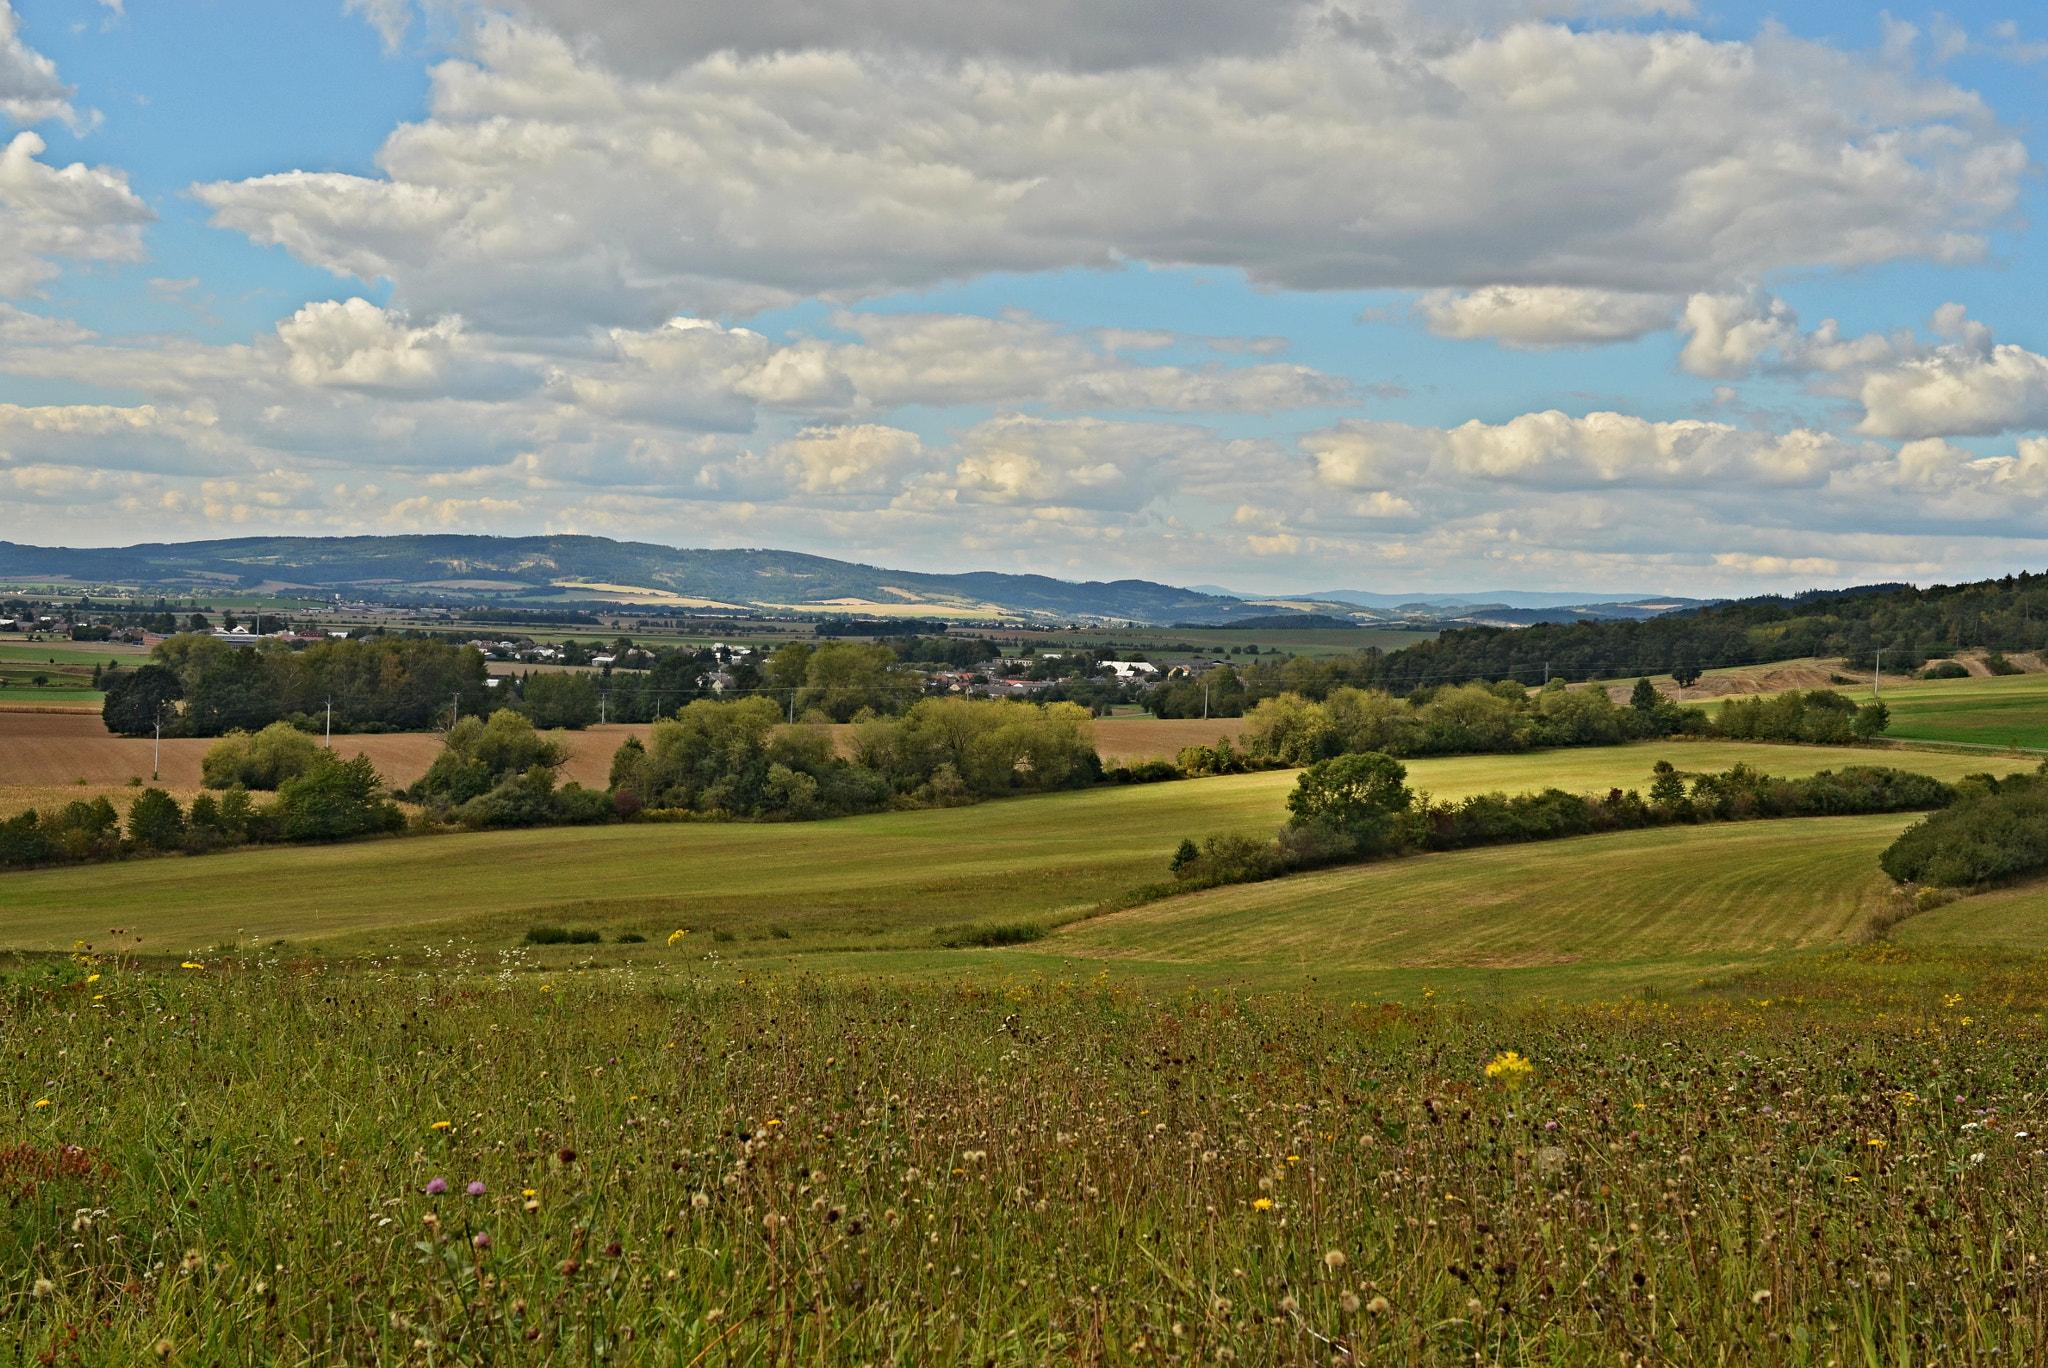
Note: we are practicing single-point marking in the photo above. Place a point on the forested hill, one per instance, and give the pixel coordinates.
(1906, 623)
(473, 569)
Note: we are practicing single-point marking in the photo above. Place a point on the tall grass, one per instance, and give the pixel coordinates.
(238, 1164)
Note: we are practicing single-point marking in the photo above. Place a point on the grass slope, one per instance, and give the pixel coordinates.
(1662, 902)
(2011, 710)
(877, 882)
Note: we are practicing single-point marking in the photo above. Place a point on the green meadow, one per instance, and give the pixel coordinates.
(2011, 710)
(881, 891)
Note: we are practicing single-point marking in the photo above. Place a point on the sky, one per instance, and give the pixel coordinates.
(1281, 295)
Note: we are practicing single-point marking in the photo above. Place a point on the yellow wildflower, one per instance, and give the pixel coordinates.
(44, 1102)
(191, 964)
(678, 935)
(440, 1125)
(1263, 1204)
(1510, 1069)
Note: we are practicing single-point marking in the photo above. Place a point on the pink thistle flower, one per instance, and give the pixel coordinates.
(436, 1186)
(476, 1189)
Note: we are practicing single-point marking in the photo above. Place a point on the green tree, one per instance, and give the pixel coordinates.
(262, 760)
(334, 800)
(1357, 794)
(136, 702)
(1871, 720)
(155, 821)
(1644, 698)
(560, 700)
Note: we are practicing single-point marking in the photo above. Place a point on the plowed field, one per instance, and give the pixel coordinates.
(43, 749)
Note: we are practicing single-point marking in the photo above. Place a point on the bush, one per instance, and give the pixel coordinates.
(1999, 665)
(335, 800)
(259, 761)
(988, 937)
(1947, 669)
(1144, 772)
(556, 935)
(478, 756)
(1997, 828)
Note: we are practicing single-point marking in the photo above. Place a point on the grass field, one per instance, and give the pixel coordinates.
(2011, 710)
(861, 884)
(319, 1106)
(462, 1164)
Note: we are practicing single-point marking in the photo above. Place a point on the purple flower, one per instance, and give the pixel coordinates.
(1550, 1125)
(476, 1189)
(436, 1186)
(482, 1239)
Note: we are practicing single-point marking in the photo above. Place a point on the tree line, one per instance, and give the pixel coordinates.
(1358, 807)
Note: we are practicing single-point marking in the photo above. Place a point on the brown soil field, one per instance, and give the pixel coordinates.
(50, 750)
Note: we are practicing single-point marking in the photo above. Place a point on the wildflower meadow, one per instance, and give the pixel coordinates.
(238, 1163)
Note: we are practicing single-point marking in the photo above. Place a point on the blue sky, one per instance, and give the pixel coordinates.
(1289, 294)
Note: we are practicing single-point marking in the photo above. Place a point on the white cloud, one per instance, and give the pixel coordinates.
(391, 19)
(1546, 316)
(355, 344)
(544, 187)
(30, 90)
(864, 458)
(1958, 390)
(1556, 451)
(78, 213)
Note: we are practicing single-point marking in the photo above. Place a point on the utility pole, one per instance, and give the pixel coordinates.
(455, 711)
(1877, 677)
(330, 724)
(600, 708)
(156, 763)
(1546, 674)
(1205, 700)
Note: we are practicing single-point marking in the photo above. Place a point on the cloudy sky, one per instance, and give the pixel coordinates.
(1620, 295)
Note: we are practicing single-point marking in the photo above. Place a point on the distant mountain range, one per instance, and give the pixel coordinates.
(543, 572)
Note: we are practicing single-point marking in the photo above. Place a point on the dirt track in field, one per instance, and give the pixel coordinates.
(43, 750)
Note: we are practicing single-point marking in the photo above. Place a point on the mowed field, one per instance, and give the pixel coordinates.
(2009, 710)
(881, 885)
(41, 750)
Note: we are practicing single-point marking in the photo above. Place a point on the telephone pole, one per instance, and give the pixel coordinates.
(1877, 677)
(330, 724)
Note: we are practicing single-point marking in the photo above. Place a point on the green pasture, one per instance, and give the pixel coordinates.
(870, 892)
(2010, 710)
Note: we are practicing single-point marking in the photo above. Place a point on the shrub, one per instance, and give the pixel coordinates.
(1997, 828)
(335, 800)
(1999, 665)
(1144, 772)
(259, 761)
(546, 935)
(630, 938)
(1947, 669)
(988, 937)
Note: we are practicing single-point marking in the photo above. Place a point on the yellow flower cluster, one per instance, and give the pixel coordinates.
(1510, 1069)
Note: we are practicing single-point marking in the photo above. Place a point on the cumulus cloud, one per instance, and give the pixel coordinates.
(30, 91)
(355, 344)
(79, 213)
(864, 458)
(1958, 390)
(1546, 316)
(1555, 450)
(545, 186)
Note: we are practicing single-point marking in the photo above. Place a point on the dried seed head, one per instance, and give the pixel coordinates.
(1334, 1260)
